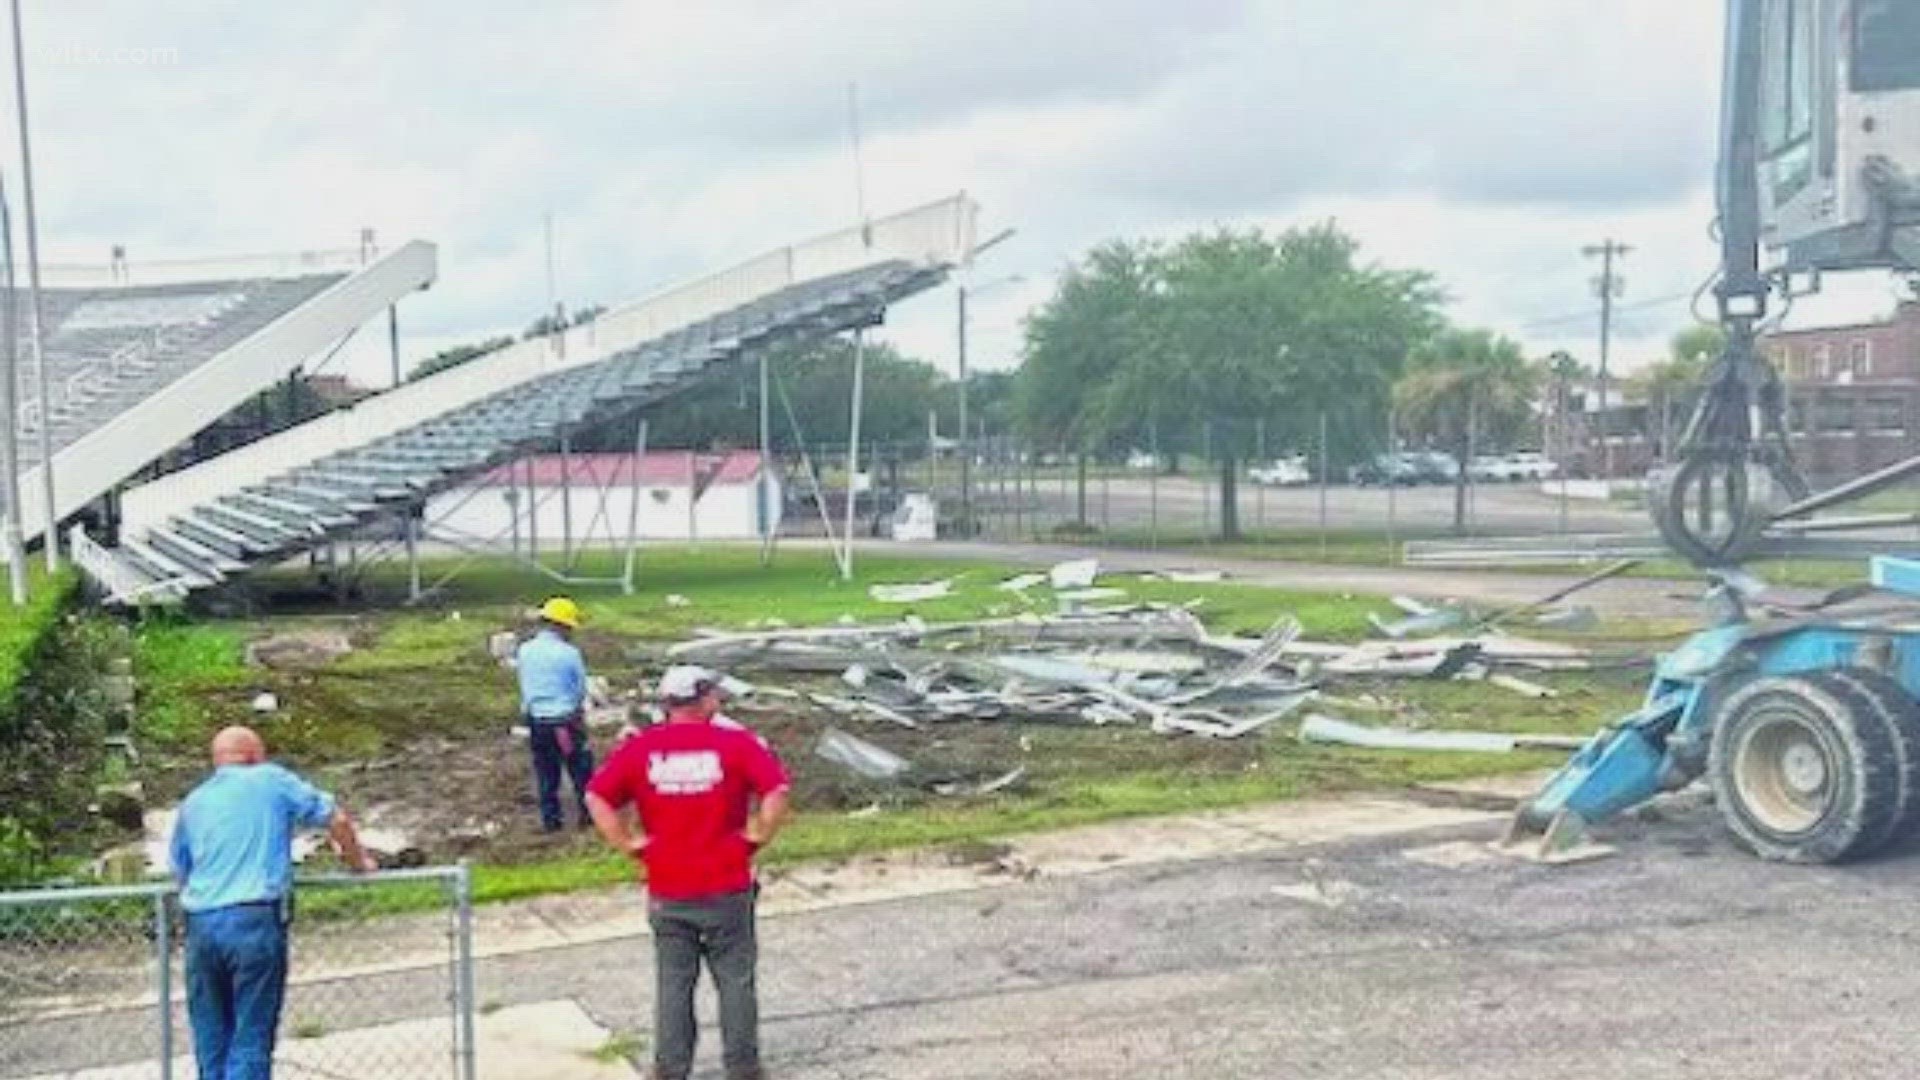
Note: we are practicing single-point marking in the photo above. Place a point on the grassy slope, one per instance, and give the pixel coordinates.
(426, 669)
(22, 628)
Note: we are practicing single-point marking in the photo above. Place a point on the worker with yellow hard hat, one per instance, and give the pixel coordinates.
(553, 699)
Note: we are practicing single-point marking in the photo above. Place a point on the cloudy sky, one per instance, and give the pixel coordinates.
(1485, 140)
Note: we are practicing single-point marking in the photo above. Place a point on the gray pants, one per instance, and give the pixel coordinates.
(721, 932)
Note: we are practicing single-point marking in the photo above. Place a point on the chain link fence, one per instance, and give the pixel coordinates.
(1352, 488)
(92, 981)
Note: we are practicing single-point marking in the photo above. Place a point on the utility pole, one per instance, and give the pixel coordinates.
(1609, 286)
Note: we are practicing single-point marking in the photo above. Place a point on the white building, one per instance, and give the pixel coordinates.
(683, 495)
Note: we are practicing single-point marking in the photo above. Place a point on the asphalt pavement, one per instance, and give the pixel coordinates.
(1416, 956)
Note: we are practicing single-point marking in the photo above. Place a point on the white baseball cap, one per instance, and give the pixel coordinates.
(684, 682)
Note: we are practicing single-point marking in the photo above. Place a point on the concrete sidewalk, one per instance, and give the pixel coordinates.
(601, 915)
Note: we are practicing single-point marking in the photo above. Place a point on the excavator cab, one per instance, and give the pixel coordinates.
(1838, 145)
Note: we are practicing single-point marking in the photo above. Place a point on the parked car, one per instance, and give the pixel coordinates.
(1142, 461)
(1490, 469)
(1532, 465)
(1384, 470)
(1288, 471)
(1435, 467)
(1512, 468)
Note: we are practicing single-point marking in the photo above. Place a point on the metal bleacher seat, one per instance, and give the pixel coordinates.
(305, 506)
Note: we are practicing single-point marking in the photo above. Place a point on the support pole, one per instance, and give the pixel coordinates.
(413, 554)
(566, 498)
(853, 445)
(50, 537)
(533, 511)
(393, 340)
(633, 504)
(966, 451)
(16, 547)
(763, 486)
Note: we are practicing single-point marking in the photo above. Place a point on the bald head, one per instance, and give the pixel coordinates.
(238, 746)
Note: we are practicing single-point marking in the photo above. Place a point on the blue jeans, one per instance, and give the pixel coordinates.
(556, 744)
(236, 980)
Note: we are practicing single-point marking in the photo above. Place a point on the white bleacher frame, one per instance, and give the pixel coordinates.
(97, 461)
(939, 234)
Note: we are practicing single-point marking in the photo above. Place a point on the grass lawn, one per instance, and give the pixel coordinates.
(418, 712)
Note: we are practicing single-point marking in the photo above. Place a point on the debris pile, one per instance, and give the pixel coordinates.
(1092, 662)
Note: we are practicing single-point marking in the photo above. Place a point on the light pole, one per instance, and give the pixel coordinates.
(966, 444)
(51, 538)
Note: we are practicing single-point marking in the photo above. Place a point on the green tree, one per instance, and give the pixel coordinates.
(1100, 314)
(1465, 389)
(1701, 343)
(817, 378)
(457, 355)
(1242, 327)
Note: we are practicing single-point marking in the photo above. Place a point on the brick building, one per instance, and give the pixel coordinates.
(1853, 403)
(1853, 392)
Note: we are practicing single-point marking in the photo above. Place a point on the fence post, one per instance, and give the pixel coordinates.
(1153, 488)
(1260, 459)
(163, 945)
(1206, 483)
(1325, 479)
(463, 966)
(1393, 503)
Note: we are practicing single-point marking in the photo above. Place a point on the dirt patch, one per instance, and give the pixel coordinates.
(298, 649)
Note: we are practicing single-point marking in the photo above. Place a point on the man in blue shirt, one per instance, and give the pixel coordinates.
(553, 699)
(232, 853)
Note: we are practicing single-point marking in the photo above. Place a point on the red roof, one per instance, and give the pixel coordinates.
(658, 468)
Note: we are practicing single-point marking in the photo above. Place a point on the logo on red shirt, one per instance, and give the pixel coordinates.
(685, 773)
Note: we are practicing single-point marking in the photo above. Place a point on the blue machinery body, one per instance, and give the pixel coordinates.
(1665, 744)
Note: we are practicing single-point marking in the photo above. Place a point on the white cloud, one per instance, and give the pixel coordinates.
(1486, 141)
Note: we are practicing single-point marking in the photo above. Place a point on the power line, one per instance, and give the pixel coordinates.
(1638, 305)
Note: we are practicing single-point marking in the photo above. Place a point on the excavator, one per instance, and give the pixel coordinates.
(1803, 717)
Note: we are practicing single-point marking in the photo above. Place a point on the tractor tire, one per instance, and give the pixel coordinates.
(1805, 770)
(1898, 710)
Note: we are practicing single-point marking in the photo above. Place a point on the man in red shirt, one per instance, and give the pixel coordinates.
(708, 794)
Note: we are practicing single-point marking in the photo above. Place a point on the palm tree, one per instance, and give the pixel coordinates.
(1463, 387)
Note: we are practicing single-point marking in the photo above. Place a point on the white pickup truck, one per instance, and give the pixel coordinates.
(1512, 468)
(1282, 472)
